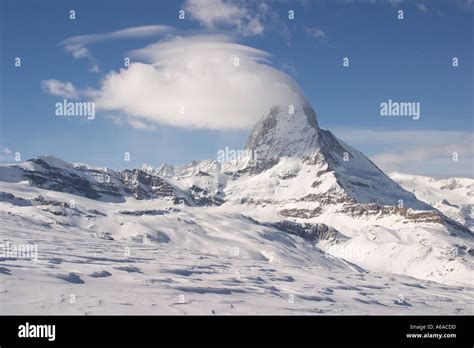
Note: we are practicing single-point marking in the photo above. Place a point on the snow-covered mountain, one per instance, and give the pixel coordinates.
(299, 198)
(454, 197)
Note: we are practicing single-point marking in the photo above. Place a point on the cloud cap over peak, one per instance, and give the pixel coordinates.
(198, 82)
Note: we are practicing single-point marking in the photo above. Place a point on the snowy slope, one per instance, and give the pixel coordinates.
(99, 258)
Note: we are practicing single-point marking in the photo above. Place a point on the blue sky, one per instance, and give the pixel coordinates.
(404, 60)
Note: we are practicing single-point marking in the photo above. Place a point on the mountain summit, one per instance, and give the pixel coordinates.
(294, 133)
(285, 131)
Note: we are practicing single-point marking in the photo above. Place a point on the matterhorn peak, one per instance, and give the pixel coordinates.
(285, 131)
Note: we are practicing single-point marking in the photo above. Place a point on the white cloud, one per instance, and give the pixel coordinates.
(422, 7)
(316, 33)
(132, 32)
(466, 4)
(6, 154)
(6, 150)
(197, 75)
(402, 137)
(76, 45)
(290, 68)
(141, 125)
(77, 51)
(60, 89)
(272, 21)
(217, 13)
(427, 152)
(94, 68)
(395, 3)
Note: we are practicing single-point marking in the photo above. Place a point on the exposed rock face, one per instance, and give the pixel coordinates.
(59, 179)
(204, 196)
(103, 184)
(282, 132)
(142, 185)
(311, 232)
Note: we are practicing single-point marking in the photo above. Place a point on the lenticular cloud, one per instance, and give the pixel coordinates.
(197, 82)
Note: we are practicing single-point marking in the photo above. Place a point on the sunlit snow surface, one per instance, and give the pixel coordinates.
(189, 260)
